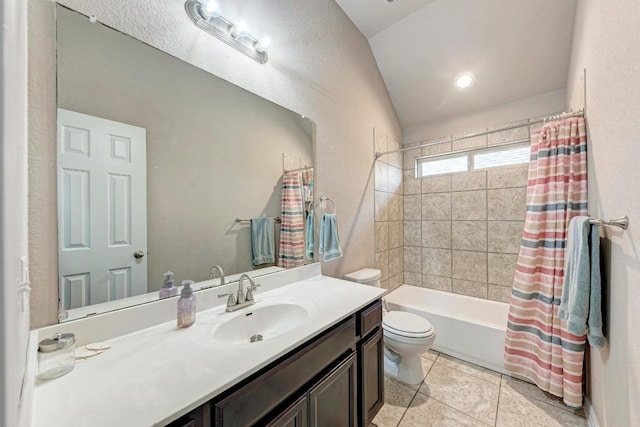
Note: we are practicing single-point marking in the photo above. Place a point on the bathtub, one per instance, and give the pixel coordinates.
(471, 329)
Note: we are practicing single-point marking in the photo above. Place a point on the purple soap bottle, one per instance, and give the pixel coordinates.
(186, 305)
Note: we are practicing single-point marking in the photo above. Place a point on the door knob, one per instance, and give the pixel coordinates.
(138, 254)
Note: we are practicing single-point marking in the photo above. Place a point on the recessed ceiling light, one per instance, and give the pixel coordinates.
(464, 81)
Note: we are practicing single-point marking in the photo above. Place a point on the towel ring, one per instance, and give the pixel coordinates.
(323, 203)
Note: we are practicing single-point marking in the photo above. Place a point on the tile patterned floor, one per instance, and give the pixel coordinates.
(456, 393)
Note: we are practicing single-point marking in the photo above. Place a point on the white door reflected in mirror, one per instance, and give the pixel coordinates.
(102, 206)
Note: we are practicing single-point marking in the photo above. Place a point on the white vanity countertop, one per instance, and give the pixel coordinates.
(151, 376)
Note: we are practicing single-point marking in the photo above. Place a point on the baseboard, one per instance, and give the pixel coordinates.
(590, 412)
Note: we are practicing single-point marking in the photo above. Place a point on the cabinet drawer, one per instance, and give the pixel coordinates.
(369, 319)
(247, 405)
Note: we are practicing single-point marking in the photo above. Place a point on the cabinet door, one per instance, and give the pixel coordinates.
(371, 377)
(332, 401)
(295, 415)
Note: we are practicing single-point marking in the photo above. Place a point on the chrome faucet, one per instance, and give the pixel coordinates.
(212, 275)
(237, 300)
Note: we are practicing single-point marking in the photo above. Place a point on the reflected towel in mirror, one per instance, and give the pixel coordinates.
(262, 238)
(329, 240)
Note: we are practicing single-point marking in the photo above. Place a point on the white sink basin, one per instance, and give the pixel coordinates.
(263, 320)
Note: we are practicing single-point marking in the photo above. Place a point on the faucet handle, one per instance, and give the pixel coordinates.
(231, 301)
(252, 287)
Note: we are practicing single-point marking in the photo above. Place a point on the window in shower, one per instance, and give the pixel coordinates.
(471, 160)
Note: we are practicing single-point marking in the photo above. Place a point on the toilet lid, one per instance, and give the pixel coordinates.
(407, 324)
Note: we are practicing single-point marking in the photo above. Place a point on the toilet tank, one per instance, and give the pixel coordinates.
(366, 276)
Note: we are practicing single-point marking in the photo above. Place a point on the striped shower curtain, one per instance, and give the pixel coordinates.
(538, 346)
(291, 250)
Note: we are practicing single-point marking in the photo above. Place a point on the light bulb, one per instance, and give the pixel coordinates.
(240, 29)
(464, 81)
(263, 45)
(211, 8)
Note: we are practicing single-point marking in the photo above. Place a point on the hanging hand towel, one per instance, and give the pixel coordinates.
(329, 239)
(262, 238)
(292, 243)
(581, 293)
(309, 236)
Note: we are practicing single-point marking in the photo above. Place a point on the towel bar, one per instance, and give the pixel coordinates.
(276, 219)
(622, 222)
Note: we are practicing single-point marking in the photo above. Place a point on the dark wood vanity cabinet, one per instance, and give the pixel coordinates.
(335, 379)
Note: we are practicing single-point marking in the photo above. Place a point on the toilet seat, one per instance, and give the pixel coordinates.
(407, 325)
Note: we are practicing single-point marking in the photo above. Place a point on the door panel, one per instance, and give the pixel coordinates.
(332, 402)
(102, 209)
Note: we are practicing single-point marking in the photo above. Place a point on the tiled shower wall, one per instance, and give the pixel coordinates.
(388, 211)
(462, 231)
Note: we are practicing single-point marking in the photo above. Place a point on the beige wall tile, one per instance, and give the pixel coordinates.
(396, 237)
(472, 289)
(412, 259)
(469, 235)
(443, 147)
(395, 159)
(502, 268)
(470, 266)
(395, 180)
(469, 181)
(411, 184)
(395, 261)
(413, 207)
(381, 206)
(382, 264)
(436, 184)
(384, 284)
(395, 281)
(396, 211)
(413, 233)
(508, 177)
(409, 158)
(476, 142)
(436, 262)
(381, 176)
(382, 236)
(509, 135)
(436, 234)
(469, 205)
(499, 293)
(436, 206)
(505, 236)
(414, 279)
(507, 204)
(436, 282)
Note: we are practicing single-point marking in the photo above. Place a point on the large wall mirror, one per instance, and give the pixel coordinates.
(156, 160)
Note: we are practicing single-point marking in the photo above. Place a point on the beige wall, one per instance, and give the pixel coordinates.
(388, 211)
(607, 43)
(320, 66)
(209, 145)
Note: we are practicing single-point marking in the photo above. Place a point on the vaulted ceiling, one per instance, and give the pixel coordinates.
(515, 50)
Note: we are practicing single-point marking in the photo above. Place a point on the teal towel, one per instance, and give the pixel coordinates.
(581, 304)
(309, 242)
(262, 238)
(329, 239)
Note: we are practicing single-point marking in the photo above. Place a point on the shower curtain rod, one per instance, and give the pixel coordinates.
(488, 132)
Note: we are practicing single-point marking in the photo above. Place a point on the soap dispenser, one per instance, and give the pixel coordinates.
(186, 306)
(168, 288)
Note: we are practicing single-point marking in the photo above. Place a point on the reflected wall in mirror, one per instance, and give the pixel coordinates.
(156, 160)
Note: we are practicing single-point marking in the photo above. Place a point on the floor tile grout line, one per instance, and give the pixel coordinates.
(455, 409)
(471, 375)
(495, 423)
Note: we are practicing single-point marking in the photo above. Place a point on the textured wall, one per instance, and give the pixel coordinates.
(320, 66)
(462, 231)
(607, 43)
(388, 211)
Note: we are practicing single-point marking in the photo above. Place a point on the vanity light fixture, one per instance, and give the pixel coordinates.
(464, 81)
(206, 14)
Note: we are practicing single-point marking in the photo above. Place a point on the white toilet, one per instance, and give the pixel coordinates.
(406, 335)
